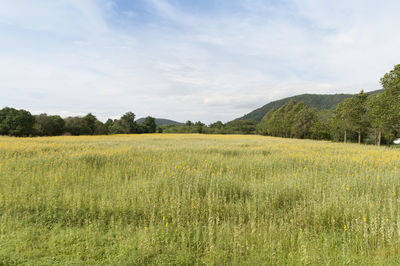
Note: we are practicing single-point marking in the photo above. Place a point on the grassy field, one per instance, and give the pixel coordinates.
(195, 199)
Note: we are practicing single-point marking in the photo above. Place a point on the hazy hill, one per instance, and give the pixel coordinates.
(318, 101)
(161, 121)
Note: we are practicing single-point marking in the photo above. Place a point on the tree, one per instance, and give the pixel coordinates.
(352, 116)
(384, 108)
(291, 120)
(127, 122)
(141, 128)
(16, 122)
(288, 115)
(391, 85)
(217, 124)
(199, 127)
(279, 123)
(381, 117)
(241, 127)
(150, 124)
(359, 114)
(46, 125)
(342, 119)
(108, 124)
(262, 127)
(116, 128)
(321, 129)
(215, 128)
(304, 119)
(100, 128)
(90, 122)
(274, 127)
(77, 126)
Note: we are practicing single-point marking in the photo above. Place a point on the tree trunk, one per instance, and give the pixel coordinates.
(359, 136)
(345, 136)
(379, 138)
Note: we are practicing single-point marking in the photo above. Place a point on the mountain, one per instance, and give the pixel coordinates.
(161, 122)
(317, 101)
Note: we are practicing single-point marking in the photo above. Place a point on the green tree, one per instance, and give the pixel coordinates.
(380, 116)
(46, 125)
(262, 127)
(77, 126)
(391, 85)
(321, 129)
(215, 128)
(116, 128)
(359, 114)
(288, 115)
(241, 127)
(150, 124)
(217, 124)
(199, 127)
(127, 122)
(352, 116)
(343, 120)
(108, 124)
(304, 119)
(283, 122)
(90, 121)
(100, 128)
(16, 122)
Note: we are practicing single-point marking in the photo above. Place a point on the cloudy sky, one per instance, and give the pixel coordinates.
(194, 60)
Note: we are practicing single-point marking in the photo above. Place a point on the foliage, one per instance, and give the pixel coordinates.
(321, 129)
(241, 127)
(46, 125)
(352, 115)
(245, 127)
(77, 126)
(150, 125)
(304, 119)
(316, 101)
(161, 122)
(15, 122)
(391, 84)
(291, 120)
(262, 127)
(381, 117)
(90, 121)
(127, 122)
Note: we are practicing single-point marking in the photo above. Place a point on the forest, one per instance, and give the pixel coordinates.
(363, 118)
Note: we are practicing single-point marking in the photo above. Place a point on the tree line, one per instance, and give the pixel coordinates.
(361, 118)
(21, 123)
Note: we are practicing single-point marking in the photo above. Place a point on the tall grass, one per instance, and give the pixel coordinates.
(191, 199)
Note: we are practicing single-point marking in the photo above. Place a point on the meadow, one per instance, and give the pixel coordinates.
(197, 200)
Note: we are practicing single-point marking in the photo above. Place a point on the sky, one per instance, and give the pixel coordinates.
(198, 60)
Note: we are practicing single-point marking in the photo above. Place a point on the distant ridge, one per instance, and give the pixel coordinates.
(317, 101)
(161, 121)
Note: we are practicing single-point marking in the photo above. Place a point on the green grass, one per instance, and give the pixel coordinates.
(192, 199)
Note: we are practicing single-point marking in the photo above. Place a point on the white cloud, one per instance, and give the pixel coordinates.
(59, 55)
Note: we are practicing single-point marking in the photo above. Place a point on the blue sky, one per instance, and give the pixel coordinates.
(189, 60)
